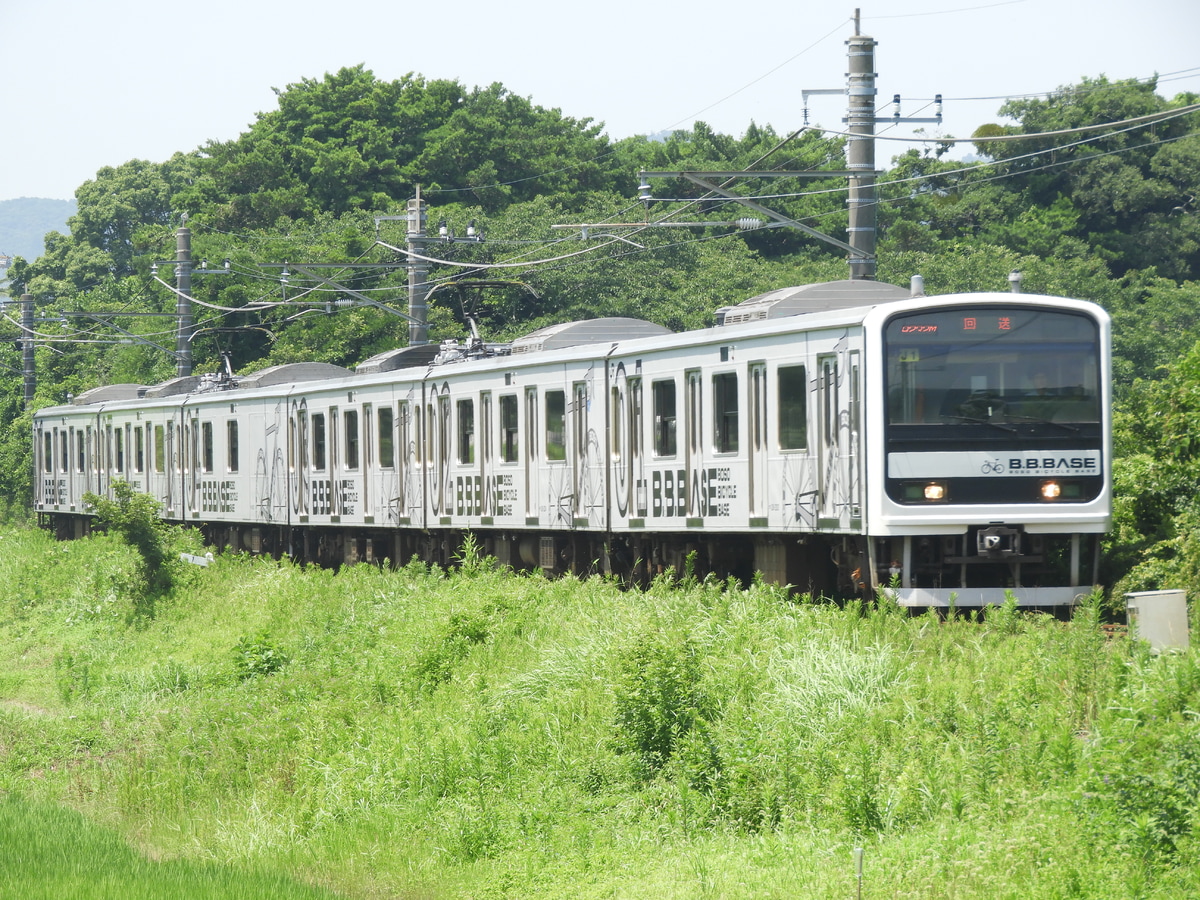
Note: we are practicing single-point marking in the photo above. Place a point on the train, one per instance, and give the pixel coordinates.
(844, 438)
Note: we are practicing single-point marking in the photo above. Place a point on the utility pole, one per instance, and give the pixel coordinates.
(860, 147)
(860, 152)
(183, 300)
(27, 355)
(184, 270)
(860, 162)
(418, 273)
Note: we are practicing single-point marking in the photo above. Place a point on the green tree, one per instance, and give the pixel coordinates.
(334, 144)
(133, 517)
(497, 148)
(1131, 190)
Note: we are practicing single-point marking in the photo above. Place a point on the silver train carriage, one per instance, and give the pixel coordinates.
(840, 437)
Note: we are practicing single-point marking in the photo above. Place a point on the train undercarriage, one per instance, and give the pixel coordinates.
(975, 568)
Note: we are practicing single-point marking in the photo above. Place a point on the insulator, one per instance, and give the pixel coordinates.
(644, 193)
(748, 223)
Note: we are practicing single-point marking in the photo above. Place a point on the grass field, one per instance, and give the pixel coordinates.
(271, 731)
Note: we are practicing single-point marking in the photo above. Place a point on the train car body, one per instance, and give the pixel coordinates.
(838, 437)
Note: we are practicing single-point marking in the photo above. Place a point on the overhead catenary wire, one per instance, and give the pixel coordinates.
(554, 260)
(1000, 138)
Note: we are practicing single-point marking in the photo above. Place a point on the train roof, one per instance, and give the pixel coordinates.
(810, 298)
(399, 358)
(109, 393)
(291, 373)
(784, 302)
(587, 331)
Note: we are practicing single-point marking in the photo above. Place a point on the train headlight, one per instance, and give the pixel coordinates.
(926, 491)
(1060, 490)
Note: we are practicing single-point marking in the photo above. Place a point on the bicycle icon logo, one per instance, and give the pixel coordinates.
(992, 467)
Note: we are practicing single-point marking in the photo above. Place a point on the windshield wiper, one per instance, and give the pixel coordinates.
(978, 421)
(1034, 420)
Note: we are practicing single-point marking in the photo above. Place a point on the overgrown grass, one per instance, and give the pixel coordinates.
(415, 733)
(52, 853)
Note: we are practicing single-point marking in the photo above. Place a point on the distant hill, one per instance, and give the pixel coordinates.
(25, 221)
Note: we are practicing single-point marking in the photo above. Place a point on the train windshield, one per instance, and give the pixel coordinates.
(1004, 366)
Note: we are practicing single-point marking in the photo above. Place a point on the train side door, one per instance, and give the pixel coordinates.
(531, 443)
(367, 461)
(39, 466)
(486, 498)
(444, 501)
(334, 462)
(854, 433)
(406, 451)
(758, 443)
(432, 452)
(172, 463)
(298, 471)
(191, 462)
(693, 450)
(637, 448)
(833, 490)
(588, 463)
(412, 454)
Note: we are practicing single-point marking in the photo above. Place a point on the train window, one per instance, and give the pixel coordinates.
(694, 402)
(160, 455)
(443, 430)
(119, 443)
(757, 404)
(47, 452)
(485, 428)
(418, 440)
(80, 452)
(232, 450)
(509, 439)
(556, 425)
(829, 388)
(616, 436)
(855, 406)
(293, 437)
(350, 421)
(174, 452)
(387, 441)
(664, 417)
(406, 427)
(206, 445)
(138, 448)
(318, 440)
(579, 411)
(430, 429)
(466, 431)
(967, 366)
(792, 392)
(64, 455)
(635, 418)
(725, 412)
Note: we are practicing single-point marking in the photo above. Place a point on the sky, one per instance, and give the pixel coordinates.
(89, 85)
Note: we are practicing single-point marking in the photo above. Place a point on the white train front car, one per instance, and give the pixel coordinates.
(990, 455)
